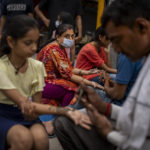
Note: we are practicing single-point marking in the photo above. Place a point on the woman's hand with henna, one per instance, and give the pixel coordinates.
(80, 118)
(96, 85)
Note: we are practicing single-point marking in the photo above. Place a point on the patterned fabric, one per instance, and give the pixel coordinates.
(50, 102)
(58, 66)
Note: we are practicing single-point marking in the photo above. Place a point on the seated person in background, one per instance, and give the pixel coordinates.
(96, 54)
(22, 78)
(65, 18)
(62, 79)
(118, 89)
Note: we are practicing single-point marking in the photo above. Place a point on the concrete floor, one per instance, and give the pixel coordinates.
(54, 144)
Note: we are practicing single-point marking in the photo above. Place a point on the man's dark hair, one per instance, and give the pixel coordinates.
(125, 12)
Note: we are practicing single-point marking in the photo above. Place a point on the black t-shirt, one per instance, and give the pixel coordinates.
(16, 7)
(54, 7)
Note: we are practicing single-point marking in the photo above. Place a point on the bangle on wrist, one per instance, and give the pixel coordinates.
(107, 109)
(79, 72)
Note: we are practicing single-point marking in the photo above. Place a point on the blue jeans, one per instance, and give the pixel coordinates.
(105, 97)
(97, 79)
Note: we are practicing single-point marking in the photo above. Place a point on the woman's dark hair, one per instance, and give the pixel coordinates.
(59, 31)
(99, 32)
(63, 28)
(16, 27)
(66, 18)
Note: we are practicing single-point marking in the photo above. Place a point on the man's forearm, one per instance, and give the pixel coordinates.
(40, 14)
(79, 25)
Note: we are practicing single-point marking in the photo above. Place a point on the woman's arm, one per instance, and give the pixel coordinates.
(78, 79)
(79, 118)
(108, 69)
(80, 71)
(85, 72)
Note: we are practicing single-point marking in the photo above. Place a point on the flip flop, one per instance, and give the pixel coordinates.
(53, 135)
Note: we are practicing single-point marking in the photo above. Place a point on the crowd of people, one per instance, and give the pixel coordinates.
(91, 99)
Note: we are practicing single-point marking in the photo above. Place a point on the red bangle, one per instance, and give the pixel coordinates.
(107, 109)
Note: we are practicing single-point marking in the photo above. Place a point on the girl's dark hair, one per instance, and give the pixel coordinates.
(63, 28)
(66, 18)
(99, 32)
(16, 27)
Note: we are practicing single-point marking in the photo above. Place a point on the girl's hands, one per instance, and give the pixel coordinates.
(28, 110)
(80, 118)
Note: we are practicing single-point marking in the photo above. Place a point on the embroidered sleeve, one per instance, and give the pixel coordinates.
(62, 64)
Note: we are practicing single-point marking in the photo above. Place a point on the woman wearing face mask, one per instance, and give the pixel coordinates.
(65, 18)
(96, 54)
(62, 79)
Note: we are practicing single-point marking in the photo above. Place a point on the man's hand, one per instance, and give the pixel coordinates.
(102, 124)
(92, 97)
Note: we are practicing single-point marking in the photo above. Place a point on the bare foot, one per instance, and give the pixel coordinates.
(49, 127)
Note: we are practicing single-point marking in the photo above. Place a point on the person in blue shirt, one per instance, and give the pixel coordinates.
(118, 89)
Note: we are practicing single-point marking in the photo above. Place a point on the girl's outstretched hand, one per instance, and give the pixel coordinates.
(80, 118)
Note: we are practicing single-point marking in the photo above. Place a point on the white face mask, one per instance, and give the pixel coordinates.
(57, 23)
(67, 43)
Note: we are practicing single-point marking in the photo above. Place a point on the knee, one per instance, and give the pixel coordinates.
(41, 141)
(23, 140)
(40, 137)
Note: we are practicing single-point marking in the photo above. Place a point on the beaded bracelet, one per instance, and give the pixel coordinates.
(107, 109)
